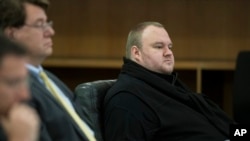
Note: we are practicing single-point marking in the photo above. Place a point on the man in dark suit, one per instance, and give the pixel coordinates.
(25, 21)
(19, 121)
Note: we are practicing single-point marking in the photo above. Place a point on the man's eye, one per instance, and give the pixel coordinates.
(158, 46)
(17, 82)
(40, 24)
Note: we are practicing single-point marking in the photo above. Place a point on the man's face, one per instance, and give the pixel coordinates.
(156, 54)
(13, 82)
(36, 34)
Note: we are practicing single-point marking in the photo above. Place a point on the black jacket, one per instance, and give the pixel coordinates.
(147, 106)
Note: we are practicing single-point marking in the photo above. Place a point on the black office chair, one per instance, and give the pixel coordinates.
(241, 89)
(91, 95)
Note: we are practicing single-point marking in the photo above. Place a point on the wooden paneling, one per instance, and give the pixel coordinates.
(200, 29)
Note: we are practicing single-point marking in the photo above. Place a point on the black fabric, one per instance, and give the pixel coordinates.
(241, 89)
(2, 134)
(90, 96)
(147, 106)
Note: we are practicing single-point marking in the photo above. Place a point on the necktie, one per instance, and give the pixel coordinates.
(71, 112)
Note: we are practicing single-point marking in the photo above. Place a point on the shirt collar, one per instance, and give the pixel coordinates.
(34, 70)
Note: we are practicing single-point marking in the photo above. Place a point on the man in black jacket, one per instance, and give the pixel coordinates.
(26, 22)
(149, 103)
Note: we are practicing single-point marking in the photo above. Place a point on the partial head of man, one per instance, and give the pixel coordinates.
(149, 45)
(13, 75)
(26, 22)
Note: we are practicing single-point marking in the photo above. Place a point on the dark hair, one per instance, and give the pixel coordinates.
(134, 36)
(8, 47)
(12, 12)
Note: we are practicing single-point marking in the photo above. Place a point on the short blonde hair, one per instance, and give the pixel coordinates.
(134, 36)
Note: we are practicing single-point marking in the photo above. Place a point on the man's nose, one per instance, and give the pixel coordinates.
(49, 31)
(167, 51)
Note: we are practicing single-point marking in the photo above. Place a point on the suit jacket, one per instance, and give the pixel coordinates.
(2, 134)
(56, 123)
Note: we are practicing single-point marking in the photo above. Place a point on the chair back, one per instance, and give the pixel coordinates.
(91, 95)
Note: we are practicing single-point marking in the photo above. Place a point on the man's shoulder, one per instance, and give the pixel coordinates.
(126, 88)
(124, 84)
(127, 82)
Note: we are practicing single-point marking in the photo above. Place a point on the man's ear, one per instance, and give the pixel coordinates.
(135, 53)
(10, 32)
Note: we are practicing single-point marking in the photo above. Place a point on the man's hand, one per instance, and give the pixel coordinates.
(21, 123)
